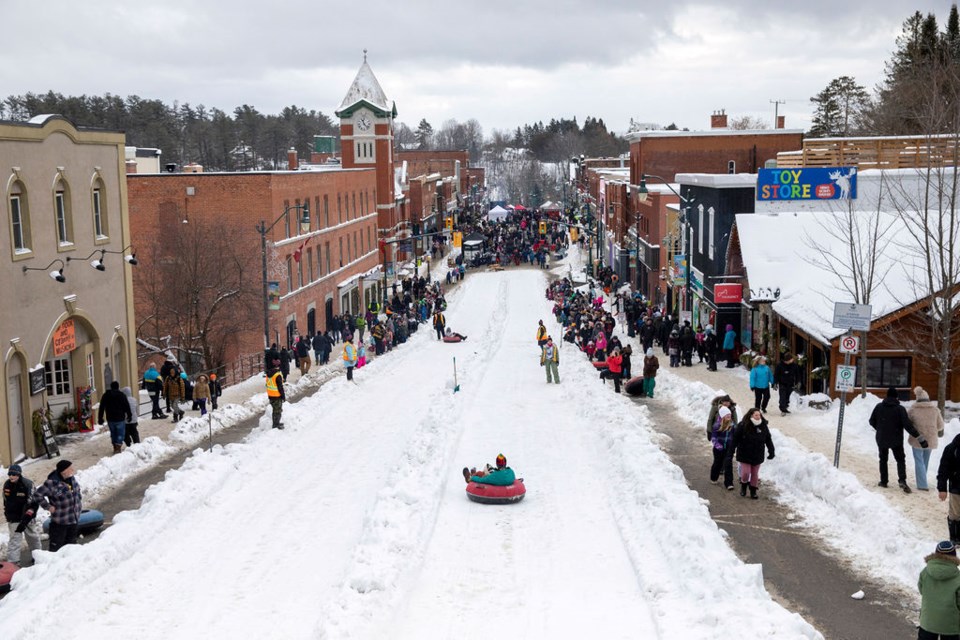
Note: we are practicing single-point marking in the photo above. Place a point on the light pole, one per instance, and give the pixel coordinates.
(263, 229)
(684, 220)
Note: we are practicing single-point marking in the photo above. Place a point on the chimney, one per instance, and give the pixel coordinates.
(718, 120)
(292, 163)
(131, 166)
(781, 122)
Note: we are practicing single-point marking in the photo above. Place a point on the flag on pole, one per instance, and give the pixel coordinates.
(299, 252)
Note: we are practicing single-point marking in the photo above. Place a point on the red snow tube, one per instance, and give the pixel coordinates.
(492, 494)
(600, 366)
(7, 569)
(634, 386)
(452, 339)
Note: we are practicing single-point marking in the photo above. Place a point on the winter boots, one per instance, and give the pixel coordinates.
(954, 527)
(753, 493)
(743, 489)
(116, 449)
(903, 485)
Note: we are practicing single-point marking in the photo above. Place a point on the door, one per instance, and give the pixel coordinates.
(311, 322)
(18, 448)
(59, 385)
(328, 313)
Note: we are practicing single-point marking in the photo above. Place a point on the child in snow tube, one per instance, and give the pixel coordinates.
(500, 476)
(495, 485)
(453, 336)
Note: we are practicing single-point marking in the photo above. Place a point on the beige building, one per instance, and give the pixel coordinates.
(66, 323)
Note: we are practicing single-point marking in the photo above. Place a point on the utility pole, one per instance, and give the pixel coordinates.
(776, 110)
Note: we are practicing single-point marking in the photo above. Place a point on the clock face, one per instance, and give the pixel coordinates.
(364, 123)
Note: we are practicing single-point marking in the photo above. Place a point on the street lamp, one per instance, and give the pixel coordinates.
(263, 229)
(98, 263)
(56, 274)
(642, 194)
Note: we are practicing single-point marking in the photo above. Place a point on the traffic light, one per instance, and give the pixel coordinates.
(543, 228)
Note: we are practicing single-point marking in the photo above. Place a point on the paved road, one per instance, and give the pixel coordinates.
(797, 571)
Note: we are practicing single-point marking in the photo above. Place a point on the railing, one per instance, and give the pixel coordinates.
(894, 152)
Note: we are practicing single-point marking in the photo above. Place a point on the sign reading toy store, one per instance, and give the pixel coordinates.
(64, 338)
(808, 183)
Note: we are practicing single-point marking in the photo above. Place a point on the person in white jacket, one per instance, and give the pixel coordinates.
(925, 416)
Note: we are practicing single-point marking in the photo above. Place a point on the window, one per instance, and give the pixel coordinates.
(888, 372)
(309, 265)
(355, 245)
(97, 215)
(300, 272)
(326, 252)
(326, 211)
(319, 263)
(369, 241)
(339, 209)
(19, 221)
(341, 251)
(289, 274)
(286, 219)
(710, 247)
(732, 167)
(316, 212)
(61, 207)
(700, 228)
(57, 376)
(354, 204)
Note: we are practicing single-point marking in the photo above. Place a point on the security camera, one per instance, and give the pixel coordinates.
(132, 259)
(57, 274)
(98, 265)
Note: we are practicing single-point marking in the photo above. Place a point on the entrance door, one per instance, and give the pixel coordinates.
(291, 332)
(15, 411)
(311, 322)
(328, 313)
(59, 385)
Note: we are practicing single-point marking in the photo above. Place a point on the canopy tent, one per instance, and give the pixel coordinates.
(519, 207)
(549, 206)
(497, 214)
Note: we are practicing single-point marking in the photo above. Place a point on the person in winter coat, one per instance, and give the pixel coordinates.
(626, 365)
(749, 439)
(153, 385)
(889, 419)
(650, 366)
(785, 376)
(601, 344)
(379, 333)
(730, 346)
(60, 495)
(131, 432)
(168, 366)
(501, 476)
(926, 417)
(361, 324)
(285, 358)
(590, 349)
(216, 390)
(541, 334)
(710, 347)
(550, 360)
(317, 344)
(760, 380)
(349, 356)
(647, 333)
(687, 343)
(721, 439)
(19, 512)
(174, 391)
(275, 395)
(615, 369)
(939, 585)
(948, 484)
(302, 349)
(673, 348)
(699, 336)
(439, 323)
(201, 393)
(116, 409)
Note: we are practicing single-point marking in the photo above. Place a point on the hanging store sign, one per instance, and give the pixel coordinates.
(727, 293)
(808, 183)
(273, 296)
(64, 338)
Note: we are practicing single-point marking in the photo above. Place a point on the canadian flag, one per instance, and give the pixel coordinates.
(299, 252)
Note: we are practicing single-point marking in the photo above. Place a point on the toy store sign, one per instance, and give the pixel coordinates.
(64, 338)
(810, 183)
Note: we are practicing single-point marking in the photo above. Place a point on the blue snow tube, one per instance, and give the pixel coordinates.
(90, 521)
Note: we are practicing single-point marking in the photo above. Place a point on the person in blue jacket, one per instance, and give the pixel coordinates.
(760, 380)
(502, 476)
(729, 346)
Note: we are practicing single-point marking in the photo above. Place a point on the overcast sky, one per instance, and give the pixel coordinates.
(502, 62)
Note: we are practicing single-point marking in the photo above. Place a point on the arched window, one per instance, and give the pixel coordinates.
(101, 227)
(63, 216)
(19, 219)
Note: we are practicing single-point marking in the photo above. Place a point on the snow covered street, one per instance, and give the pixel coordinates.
(353, 523)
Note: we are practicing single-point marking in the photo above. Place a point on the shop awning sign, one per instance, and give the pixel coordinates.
(728, 293)
(64, 338)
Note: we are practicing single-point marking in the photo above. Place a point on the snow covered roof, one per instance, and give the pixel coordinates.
(634, 136)
(780, 253)
(365, 89)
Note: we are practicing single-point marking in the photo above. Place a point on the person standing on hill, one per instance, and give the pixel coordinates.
(760, 380)
(721, 439)
(650, 366)
(749, 439)
(948, 485)
(710, 347)
(275, 395)
(439, 323)
(116, 409)
(926, 417)
(350, 356)
(541, 334)
(889, 419)
(60, 495)
(174, 391)
(18, 512)
(550, 359)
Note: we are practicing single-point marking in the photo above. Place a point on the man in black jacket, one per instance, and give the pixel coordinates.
(114, 405)
(889, 419)
(19, 512)
(948, 483)
(785, 376)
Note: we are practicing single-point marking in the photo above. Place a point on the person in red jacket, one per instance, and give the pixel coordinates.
(615, 369)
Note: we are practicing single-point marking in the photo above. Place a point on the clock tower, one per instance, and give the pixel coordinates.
(366, 140)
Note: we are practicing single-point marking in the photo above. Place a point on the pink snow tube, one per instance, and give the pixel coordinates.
(7, 569)
(492, 494)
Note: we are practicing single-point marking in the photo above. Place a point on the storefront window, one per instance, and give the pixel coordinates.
(57, 374)
(888, 372)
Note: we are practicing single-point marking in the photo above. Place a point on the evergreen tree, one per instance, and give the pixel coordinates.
(839, 108)
(424, 134)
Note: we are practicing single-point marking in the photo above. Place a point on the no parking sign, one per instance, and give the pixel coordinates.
(850, 344)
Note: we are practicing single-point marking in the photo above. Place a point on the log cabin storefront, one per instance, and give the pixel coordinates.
(792, 299)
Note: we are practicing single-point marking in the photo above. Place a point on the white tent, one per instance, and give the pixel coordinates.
(497, 214)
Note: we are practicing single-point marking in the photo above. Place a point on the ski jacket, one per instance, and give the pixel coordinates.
(63, 494)
(926, 417)
(712, 416)
(729, 340)
(615, 364)
(549, 353)
(750, 439)
(760, 377)
(650, 366)
(499, 477)
(889, 419)
(939, 586)
(786, 374)
(948, 474)
(16, 496)
(541, 333)
(349, 355)
(113, 405)
(173, 388)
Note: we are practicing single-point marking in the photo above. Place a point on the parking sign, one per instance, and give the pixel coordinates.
(850, 344)
(846, 378)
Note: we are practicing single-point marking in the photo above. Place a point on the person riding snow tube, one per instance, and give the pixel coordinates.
(453, 336)
(498, 485)
(7, 569)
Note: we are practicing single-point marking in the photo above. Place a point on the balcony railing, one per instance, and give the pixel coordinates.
(894, 152)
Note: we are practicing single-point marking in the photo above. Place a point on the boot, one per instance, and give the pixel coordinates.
(743, 489)
(753, 493)
(116, 449)
(954, 527)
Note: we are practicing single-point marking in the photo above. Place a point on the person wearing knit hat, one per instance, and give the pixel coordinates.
(19, 512)
(649, 373)
(889, 419)
(60, 495)
(939, 586)
(722, 440)
(926, 417)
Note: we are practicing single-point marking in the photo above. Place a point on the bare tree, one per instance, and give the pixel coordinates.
(744, 123)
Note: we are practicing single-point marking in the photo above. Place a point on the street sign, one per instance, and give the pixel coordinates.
(847, 315)
(846, 378)
(850, 344)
